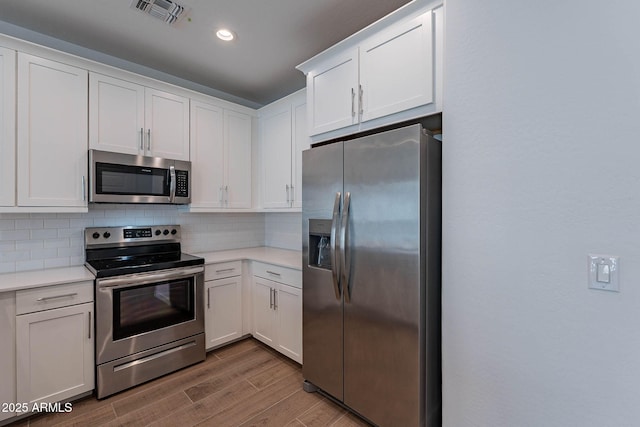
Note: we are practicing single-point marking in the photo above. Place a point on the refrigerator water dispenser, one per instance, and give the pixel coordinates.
(320, 243)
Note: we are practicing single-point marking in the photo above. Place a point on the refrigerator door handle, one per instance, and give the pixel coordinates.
(343, 247)
(335, 267)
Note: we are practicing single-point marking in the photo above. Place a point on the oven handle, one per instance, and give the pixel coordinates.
(144, 278)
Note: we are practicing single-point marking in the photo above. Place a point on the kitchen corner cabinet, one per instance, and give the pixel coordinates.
(221, 157)
(51, 133)
(387, 71)
(277, 308)
(7, 351)
(54, 342)
(283, 137)
(126, 117)
(7, 128)
(223, 303)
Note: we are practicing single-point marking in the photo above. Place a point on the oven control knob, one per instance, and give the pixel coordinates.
(165, 232)
(95, 235)
(158, 232)
(106, 235)
(174, 231)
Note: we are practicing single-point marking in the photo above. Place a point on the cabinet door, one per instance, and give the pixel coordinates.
(263, 312)
(301, 142)
(116, 115)
(7, 128)
(207, 155)
(238, 159)
(289, 321)
(223, 316)
(332, 93)
(7, 351)
(166, 124)
(396, 68)
(276, 159)
(54, 350)
(52, 133)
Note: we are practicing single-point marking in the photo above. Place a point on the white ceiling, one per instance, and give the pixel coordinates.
(273, 36)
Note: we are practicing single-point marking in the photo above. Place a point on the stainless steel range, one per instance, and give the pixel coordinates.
(149, 310)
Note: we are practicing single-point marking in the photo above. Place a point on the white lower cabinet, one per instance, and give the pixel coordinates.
(7, 353)
(223, 303)
(54, 343)
(277, 308)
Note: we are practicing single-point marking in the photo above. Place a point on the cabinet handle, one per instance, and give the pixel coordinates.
(287, 193)
(275, 299)
(220, 194)
(353, 102)
(57, 296)
(274, 273)
(226, 194)
(270, 298)
(360, 98)
(149, 140)
(293, 195)
(224, 270)
(208, 297)
(141, 139)
(89, 337)
(84, 189)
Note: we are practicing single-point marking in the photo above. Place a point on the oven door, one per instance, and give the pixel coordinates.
(140, 311)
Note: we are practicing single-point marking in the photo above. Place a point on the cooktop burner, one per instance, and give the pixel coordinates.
(116, 251)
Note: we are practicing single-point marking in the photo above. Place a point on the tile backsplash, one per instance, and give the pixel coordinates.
(36, 241)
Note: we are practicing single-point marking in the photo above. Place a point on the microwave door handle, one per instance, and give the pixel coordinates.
(172, 184)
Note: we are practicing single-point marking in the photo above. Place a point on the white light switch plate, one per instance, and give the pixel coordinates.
(604, 272)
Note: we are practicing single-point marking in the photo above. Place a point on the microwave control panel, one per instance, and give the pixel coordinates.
(182, 183)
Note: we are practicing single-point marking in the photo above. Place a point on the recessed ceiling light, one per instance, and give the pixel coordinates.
(224, 34)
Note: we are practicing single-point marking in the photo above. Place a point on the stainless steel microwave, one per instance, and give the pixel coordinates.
(127, 178)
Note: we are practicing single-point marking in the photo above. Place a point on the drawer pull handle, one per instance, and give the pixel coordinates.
(57, 296)
(225, 270)
(274, 273)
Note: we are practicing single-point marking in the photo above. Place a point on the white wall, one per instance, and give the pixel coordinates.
(541, 167)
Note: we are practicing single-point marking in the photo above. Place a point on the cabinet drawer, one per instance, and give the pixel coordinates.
(276, 273)
(48, 297)
(222, 270)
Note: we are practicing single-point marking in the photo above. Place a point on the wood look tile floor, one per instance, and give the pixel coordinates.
(243, 384)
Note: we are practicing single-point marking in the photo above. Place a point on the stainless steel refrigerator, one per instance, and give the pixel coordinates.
(371, 275)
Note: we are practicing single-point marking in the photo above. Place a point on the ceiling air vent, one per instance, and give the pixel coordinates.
(165, 10)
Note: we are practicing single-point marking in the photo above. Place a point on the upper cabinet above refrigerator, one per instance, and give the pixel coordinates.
(389, 72)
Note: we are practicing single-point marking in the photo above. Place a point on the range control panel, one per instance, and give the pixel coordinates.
(128, 234)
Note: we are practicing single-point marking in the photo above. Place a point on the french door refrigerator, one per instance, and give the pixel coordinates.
(371, 275)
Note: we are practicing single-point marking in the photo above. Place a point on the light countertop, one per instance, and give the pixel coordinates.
(47, 277)
(281, 257)
(57, 276)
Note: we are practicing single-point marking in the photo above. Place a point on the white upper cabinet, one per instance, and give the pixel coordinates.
(384, 74)
(51, 133)
(116, 115)
(237, 155)
(333, 93)
(207, 155)
(275, 132)
(283, 137)
(220, 156)
(126, 117)
(7, 127)
(167, 125)
(396, 68)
